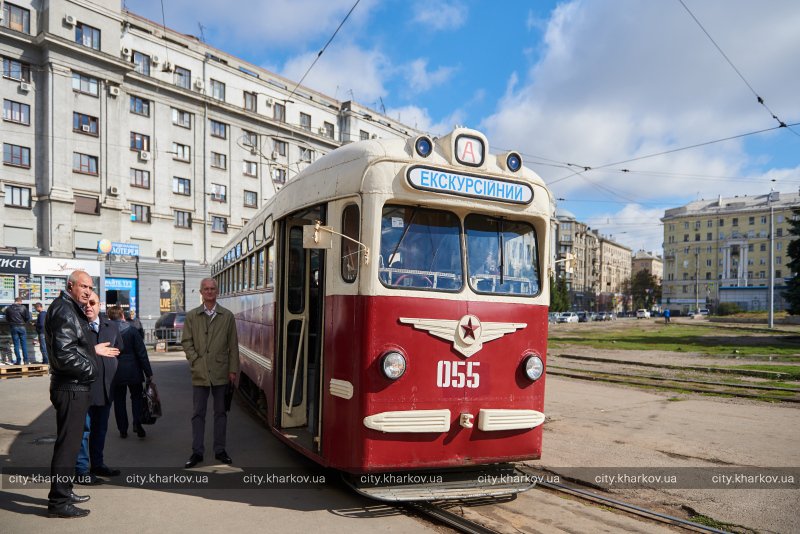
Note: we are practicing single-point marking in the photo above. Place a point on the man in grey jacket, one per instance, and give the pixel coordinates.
(18, 316)
(212, 348)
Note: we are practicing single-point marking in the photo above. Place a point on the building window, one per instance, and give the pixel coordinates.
(708, 263)
(735, 221)
(779, 232)
(181, 152)
(217, 89)
(140, 142)
(140, 213)
(697, 225)
(710, 224)
(84, 123)
(279, 176)
(181, 118)
(87, 36)
(279, 112)
(181, 186)
(249, 138)
(363, 136)
(778, 274)
(697, 237)
(220, 161)
(708, 236)
(328, 127)
(16, 18)
(182, 77)
(16, 70)
(87, 205)
(140, 178)
(779, 218)
(219, 129)
(306, 155)
(763, 219)
(84, 84)
(183, 219)
(219, 224)
(84, 163)
(750, 247)
(280, 147)
(685, 237)
(250, 168)
(763, 247)
(18, 196)
(305, 121)
(250, 199)
(16, 112)
(751, 221)
(140, 106)
(778, 260)
(219, 193)
(721, 223)
(141, 63)
(250, 101)
(18, 156)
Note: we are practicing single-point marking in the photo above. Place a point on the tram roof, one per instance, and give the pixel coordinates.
(349, 163)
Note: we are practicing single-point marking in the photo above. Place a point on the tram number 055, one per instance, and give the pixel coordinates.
(457, 374)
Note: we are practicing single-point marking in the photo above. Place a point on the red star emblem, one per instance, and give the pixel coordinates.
(469, 330)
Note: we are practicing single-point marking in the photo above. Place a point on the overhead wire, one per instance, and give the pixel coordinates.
(759, 98)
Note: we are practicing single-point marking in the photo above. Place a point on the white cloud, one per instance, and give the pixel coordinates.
(257, 23)
(440, 15)
(345, 72)
(420, 79)
(625, 79)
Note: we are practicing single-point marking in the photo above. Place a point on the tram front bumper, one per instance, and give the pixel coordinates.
(489, 420)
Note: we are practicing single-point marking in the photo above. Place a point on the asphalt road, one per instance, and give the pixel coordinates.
(226, 501)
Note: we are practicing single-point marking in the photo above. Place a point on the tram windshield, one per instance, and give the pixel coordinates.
(501, 256)
(420, 249)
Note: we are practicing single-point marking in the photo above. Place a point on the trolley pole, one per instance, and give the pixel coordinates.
(771, 290)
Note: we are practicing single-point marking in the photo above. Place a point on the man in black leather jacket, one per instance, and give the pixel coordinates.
(73, 367)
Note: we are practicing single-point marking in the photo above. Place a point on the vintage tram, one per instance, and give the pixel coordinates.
(391, 303)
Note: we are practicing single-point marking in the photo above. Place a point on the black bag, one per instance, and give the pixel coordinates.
(152, 404)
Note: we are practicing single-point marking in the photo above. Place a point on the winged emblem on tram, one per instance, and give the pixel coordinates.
(467, 334)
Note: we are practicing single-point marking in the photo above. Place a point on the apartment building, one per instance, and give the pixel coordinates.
(129, 142)
(719, 251)
(647, 261)
(615, 271)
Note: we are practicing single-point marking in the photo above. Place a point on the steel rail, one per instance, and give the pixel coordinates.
(630, 508)
(453, 520)
(668, 387)
(681, 380)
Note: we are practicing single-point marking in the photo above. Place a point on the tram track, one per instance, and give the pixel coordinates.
(676, 384)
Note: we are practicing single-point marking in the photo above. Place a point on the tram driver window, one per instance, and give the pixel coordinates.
(420, 249)
(350, 249)
(501, 256)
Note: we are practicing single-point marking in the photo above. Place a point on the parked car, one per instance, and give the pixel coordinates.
(169, 327)
(642, 314)
(583, 317)
(568, 317)
(704, 312)
(552, 317)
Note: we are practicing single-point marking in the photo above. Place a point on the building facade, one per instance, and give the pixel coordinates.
(118, 130)
(719, 251)
(646, 261)
(615, 272)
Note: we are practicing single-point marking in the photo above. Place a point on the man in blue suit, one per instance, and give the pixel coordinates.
(94, 435)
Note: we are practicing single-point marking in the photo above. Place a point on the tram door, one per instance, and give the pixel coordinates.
(301, 324)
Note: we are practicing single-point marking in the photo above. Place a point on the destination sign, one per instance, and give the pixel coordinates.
(470, 186)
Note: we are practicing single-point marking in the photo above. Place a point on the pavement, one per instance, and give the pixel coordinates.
(27, 431)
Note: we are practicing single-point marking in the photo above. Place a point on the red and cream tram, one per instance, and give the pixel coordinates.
(392, 303)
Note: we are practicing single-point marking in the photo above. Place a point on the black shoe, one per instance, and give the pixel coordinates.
(87, 479)
(123, 434)
(77, 499)
(223, 457)
(67, 511)
(194, 459)
(139, 431)
(105, 471)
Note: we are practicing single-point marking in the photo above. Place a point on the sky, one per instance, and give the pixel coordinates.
(588, 91)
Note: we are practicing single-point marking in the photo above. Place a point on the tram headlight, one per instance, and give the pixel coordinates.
(513, 162)
(534, 367)
(423, 145)
(393, 365)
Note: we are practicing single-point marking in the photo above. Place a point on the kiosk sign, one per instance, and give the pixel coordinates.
(104, 246)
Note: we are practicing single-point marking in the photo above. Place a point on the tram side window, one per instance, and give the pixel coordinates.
(350, 228)
(420, 249)
(252, 271)
(501, 256)
(270, 266)
(260, 267)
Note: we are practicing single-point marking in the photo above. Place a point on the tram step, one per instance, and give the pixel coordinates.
(485, 481)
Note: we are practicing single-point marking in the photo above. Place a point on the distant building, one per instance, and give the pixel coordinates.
(719, 251)
(646, 261)
(117, 130)
(615, 270)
